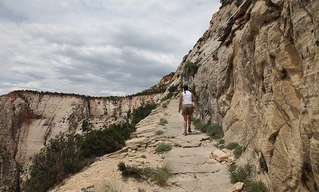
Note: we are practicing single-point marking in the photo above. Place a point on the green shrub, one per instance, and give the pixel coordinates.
(221, 141)
(141, 112)
(157, 175)
(232, 146)
(163, 122)
(244, 174)
(60, 158)
(163, 147)
(240, 174)
(190, 69)
(213, 130)
(130, 171)
(172, 89)
(86, 125)
(99, 142)
(68, 154)
(255, 186)
(221, 144)
(237, 149)
(198, 125)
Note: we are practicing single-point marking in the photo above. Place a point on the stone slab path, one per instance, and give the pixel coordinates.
(189, 160)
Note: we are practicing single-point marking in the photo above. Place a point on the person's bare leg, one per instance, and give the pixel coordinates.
(185, 124)
(189, 123)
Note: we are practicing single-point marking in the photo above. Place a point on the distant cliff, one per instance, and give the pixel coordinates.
(256, 72)
(28, 119)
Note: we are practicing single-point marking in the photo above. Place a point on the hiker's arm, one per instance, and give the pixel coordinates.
(180, 103)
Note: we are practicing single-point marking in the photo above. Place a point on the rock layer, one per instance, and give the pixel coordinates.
(29, 120)
(258, 76)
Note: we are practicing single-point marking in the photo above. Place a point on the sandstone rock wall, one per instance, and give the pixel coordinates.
(258, 76)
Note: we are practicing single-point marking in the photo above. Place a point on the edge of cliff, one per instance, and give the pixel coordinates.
(29, 119)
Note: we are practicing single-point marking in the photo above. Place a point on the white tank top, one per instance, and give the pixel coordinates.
(187, 98)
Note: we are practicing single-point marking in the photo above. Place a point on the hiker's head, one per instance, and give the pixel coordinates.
(185, 88)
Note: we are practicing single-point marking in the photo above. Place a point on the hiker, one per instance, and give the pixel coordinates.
(187, 107)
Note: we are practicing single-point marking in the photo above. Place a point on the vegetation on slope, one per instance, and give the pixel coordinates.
(190, 69)
(237, 149)
(68, 154)
(244, 174)
(140, 113)
(163, 147)
(215, 131)
(157, 175)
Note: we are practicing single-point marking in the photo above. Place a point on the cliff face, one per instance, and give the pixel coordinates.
(28, 119)
(258, 76)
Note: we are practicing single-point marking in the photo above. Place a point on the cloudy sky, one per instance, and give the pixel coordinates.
(96, 47)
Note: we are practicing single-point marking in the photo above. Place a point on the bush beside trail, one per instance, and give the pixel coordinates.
(68, 154)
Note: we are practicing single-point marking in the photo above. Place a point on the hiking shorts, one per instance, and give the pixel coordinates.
(187, 109)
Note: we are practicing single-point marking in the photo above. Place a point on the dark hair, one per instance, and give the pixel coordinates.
(185, 87)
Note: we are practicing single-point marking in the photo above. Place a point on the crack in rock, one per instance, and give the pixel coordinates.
(197, 172)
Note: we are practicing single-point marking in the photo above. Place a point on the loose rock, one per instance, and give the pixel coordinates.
(238, 187)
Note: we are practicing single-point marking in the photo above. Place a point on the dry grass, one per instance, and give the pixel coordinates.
(156, 175)
(163, 147)
(163, 122)
(111, 188)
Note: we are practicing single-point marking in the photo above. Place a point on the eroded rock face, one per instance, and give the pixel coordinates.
(258, 76)
(28, 119)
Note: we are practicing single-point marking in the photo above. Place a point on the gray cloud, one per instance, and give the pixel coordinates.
(101, 47)
(8, 15)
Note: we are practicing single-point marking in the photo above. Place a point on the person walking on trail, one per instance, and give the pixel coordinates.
(187, 107)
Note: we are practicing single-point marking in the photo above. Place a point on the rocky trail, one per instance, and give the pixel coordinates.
(189, 160)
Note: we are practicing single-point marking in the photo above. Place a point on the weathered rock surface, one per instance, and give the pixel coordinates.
(238, 187)
(221, 156)
(258, 76)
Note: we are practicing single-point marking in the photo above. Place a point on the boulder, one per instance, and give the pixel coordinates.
(238, 187)
(219, 156)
